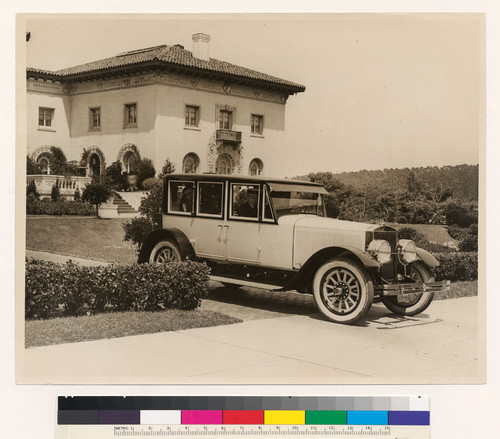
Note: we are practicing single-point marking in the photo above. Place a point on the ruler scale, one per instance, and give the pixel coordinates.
(234, 417)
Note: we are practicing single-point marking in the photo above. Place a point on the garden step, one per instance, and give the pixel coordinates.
(133, 198)
(123, 206)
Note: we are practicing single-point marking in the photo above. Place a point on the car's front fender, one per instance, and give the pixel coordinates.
(427, 258)
(182, 241)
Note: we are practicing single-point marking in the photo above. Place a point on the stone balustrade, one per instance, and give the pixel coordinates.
(67, 184)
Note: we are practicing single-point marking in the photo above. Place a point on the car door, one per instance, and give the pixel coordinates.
(243, 226)
(210, 227)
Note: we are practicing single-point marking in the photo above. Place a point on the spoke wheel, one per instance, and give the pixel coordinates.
(413, 303)
(342, 291)
(165, 252)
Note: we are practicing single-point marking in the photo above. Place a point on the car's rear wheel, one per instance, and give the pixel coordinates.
(343, 291)
(414, 303)
(164, 252)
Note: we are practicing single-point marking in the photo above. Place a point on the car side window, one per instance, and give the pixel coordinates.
(245, 201)
(268, 212)
(181, 195)
(210, 196)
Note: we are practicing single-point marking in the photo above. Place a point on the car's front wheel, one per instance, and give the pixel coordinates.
(343, 292)
(164, 252)
(414, 303)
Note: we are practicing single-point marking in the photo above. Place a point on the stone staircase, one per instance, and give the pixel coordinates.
(133, 199)
(123, 206)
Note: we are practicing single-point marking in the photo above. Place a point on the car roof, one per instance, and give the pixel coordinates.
(238, 178)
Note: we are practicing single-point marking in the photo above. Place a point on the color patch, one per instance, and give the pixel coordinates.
(367, 417)
(409, 418)
(120, 417)
(158, 417)
(77, 417)
(285, 417)
(326, 417)
(243, 417)
(202, 417)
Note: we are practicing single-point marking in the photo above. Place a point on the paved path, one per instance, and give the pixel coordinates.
(281, 340)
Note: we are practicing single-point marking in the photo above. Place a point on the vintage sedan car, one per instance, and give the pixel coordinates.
(274, 234)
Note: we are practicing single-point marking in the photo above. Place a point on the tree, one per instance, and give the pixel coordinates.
(55, 193)
(96, 192)
(32, 167)
(167, 168)
(144, 169)
(116, 177)
(58, 162)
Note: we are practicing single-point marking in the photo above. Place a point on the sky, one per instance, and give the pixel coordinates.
(382, 90)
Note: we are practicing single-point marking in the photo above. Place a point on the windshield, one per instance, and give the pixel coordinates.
(294, 202)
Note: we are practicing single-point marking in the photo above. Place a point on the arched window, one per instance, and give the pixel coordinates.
(94, 165)
(190, 163)
(129, 161)
(256, 167)
(44, 164)
(224, 165)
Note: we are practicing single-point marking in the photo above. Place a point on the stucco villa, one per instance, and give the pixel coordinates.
(203, 114)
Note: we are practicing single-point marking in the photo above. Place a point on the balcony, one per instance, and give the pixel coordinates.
(228, 136)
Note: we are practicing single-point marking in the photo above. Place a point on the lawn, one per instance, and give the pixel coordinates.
(118, 324)
(82, 237)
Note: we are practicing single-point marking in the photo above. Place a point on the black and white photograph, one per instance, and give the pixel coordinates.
(251, 198)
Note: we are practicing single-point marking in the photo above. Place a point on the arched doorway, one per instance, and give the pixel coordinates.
(128, 156)
(94, 165)
(256, 167)
(44, 163)
(224, 165)
(129, 162)
(190, 163)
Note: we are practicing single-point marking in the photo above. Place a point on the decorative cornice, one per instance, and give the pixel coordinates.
(46, 87)
(178, 80)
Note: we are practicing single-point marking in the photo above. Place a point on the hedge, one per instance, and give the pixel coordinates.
(54, 290)
(47, 207)
(457, 266)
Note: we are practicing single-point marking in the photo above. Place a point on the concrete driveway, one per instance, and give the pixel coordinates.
(283, 339)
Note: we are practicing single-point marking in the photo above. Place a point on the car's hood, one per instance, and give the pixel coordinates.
(318, 222)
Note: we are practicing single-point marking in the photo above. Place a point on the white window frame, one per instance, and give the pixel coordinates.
(126, 123)
(169, 200)
(51, 112)
(198, 198)
(91, 114)
(244, 218)
(197, 110)
(257, 133)
(267, 197)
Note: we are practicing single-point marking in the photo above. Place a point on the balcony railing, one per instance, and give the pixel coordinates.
(228, 136)
(67, 185)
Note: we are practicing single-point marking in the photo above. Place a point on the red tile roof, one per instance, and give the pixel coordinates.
(171, 56)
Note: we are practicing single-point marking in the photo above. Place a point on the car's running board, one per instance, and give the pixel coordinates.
(228, 280)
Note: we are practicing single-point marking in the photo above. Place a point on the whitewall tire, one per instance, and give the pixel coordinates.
(343, 291)
(164, 252)
(415, 303)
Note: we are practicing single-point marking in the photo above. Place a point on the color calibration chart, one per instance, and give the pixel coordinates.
(106, 417)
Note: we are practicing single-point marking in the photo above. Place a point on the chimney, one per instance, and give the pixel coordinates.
(200, 46)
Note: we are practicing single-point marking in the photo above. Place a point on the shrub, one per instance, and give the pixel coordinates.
(117, 180)
(137, 230)
(457, 266)
(144, 170)
(150, 183)
(77, 196)
(32, 190)
(55, 193)
(167, 168)
(48, 207)
(54, 290)
(468, 244)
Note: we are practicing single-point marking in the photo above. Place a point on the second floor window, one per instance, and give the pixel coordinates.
(192, 116)
(130, 115)
(225, 120)
(45, 116)
(257, 124)
(95, 118)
